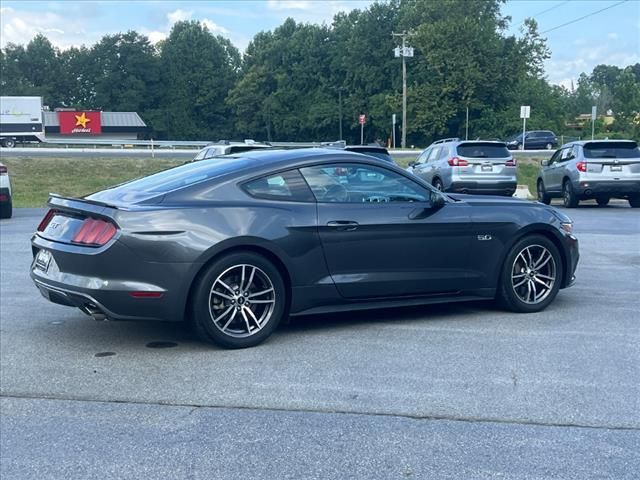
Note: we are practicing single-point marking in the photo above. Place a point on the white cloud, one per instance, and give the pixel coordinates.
(179, 15)
(214, 27)
(612, 35)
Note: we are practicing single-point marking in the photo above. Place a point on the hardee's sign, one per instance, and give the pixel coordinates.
(73, 123)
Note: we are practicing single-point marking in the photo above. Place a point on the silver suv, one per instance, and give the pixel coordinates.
(599, 169)
(467, 166)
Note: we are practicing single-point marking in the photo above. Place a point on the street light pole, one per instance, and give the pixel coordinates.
(404, 52)
(340, 109)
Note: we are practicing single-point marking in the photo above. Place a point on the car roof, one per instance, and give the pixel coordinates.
(584, 142)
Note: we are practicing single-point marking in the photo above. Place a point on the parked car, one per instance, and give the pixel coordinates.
(600, 169)
(467, 166)
(238, 243)
(6, 202)
(225, 147)
(534, 140)
(372, 150)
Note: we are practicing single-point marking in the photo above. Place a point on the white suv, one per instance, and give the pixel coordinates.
(5, 193)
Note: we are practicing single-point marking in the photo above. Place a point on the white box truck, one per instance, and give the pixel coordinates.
(21, 120)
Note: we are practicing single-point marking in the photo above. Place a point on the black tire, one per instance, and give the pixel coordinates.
(543, 196)
(634, 201)
(437, 184)
(519, 147)
(203, 321)
(549, 146)
(603, 201)
(509, 295)
(6, 210)
(569, 198)
(9, 143)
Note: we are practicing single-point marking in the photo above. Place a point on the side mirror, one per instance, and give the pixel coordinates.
(544, 163)
(437, 200)
(413, 163)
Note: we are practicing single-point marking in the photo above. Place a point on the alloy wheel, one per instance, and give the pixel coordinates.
(241, 300)
(533, 274)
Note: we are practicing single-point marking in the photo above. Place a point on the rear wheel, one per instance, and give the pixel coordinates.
(549, 146)
(602, 201)
(437, 183)
(520, 146)
(568, 195)
(531, 275)
(634, 201)
(9, 142)
(239, 301)
(542, 194)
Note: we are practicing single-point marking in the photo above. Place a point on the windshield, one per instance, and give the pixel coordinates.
(611, 150)
(377, 154)
(483, 150)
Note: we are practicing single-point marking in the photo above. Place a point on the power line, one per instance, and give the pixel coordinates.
(550, 8)
(583, 17)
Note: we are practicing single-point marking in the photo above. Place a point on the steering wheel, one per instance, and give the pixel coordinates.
(336, 193)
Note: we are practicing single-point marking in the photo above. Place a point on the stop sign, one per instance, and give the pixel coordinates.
(363, 119)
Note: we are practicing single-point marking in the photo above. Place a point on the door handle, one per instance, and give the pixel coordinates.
(345, 225)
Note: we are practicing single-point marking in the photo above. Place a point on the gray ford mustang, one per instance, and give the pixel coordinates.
(235, 244)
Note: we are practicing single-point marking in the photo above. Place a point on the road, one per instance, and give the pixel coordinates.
(450, 391)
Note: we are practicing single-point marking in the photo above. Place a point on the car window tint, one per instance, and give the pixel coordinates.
(286, 186)
(611, 150)
(423, 156)
(200, 154)
(354, 183)
(555, 157)
(567, 154)
(483, 150)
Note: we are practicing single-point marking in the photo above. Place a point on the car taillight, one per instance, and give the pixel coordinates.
(457, 162)
(511, 162)
(3, 170)
(45, 221)
(94, 232)
(581, 166)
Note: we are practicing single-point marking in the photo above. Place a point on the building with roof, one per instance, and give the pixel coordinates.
(67, 124)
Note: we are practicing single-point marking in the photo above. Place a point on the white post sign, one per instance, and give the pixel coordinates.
(393, 130)
(525, 112)
(594, 113)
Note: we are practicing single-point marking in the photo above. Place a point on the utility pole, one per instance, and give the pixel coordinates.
(340, 109)
(403, 52)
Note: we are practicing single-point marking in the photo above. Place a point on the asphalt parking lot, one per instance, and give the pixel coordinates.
(449, 391)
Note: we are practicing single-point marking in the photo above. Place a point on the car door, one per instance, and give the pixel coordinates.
(383, 236)
(421, 169)
(531, 141)
(556, 173)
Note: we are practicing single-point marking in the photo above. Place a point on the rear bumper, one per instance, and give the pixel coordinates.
(102, 285)
(488, 188)
(622, 188)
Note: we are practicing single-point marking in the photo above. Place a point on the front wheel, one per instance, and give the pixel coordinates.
(9, 143)
(549, 146)
(634, 201)
(239, 301)
(543, 196)
(6, 210)
(437, 183)
(569, 198)
(531, 275)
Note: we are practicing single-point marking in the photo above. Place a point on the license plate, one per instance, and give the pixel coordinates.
(487, 168)
(616, 168)
(43, 259)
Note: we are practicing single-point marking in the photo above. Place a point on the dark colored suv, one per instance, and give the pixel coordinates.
(533, 140)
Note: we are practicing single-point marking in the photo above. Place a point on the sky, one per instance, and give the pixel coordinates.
(611, 36)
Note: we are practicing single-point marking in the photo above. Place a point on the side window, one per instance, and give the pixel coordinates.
(286, 186)
(423, 156)
(200, 155)
(356, 183)
(435, 154)
(566, 154)
(556, 157)
(211, 152)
